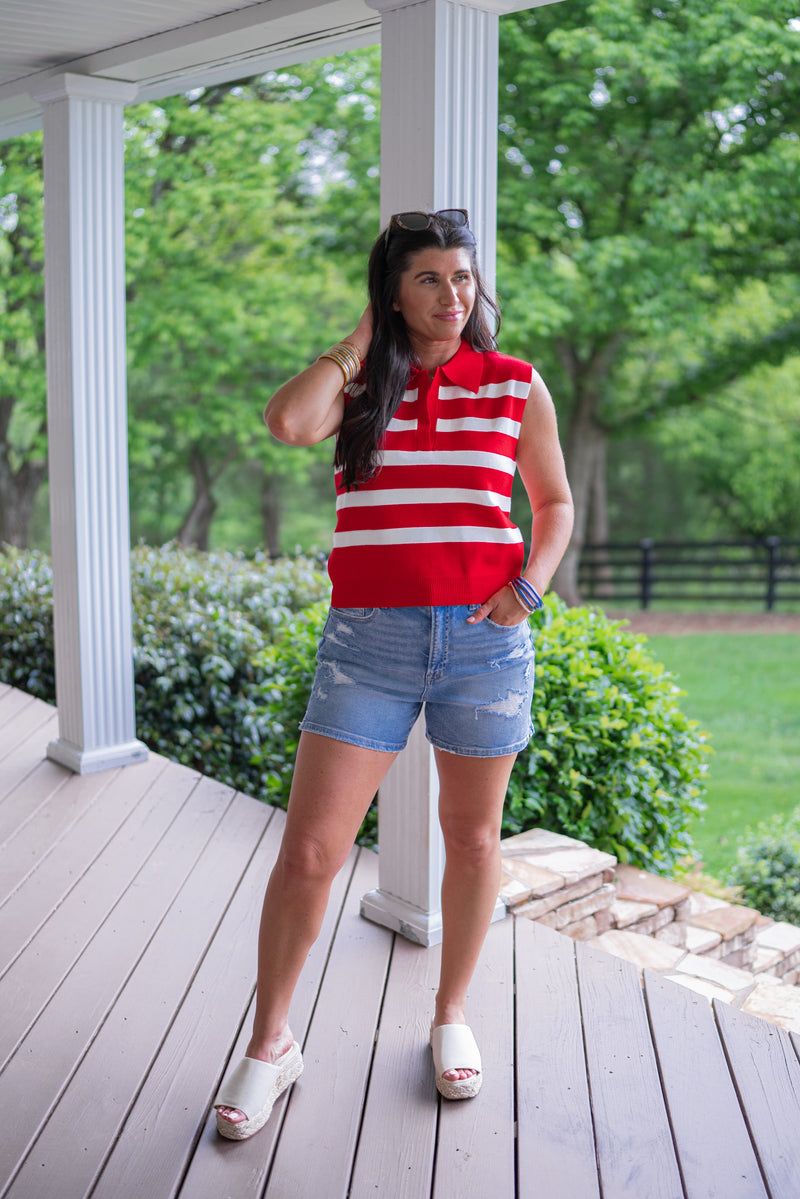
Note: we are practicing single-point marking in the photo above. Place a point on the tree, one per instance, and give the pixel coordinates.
(745, 448)
(235, 279)
(248, 207)
(648, 165)
(23, 401)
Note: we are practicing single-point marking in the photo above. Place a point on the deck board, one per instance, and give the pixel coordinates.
(19, 712)
(767, 1074)
(89, 849)
(128, 914)
(52, 820)
(26, 723)
(178, 1090)
(398, 1133)
(635, 1152)
(557, 1158)
(219, 1167)
(475, 1151)
(716, 1155)
(29, 789)
(320, 1133)
(116, 1063)
(66, 1011)
(92, 920)
(12, 702)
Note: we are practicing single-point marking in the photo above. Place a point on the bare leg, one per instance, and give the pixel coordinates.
(332, 787)
(472, 791)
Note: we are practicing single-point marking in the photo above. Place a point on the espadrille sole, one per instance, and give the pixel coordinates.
(253, 1087)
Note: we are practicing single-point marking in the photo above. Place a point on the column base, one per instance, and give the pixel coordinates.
(89, 761)
(423, 928)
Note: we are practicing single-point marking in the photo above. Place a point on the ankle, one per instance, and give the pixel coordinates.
(268, 1048)
(449, 1013)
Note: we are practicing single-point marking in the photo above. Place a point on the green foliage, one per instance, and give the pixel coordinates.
(648, 160)
(232, 284)
(249, 210)
(613, 761)
(744, 446)
(767, 868)
(223, 655)
(23, 443)
(648, 167)
(216, 643)
(224, 650)
(26, 622)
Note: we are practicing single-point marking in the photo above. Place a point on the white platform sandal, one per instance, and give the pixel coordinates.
(454, 1048)
(252, 1089)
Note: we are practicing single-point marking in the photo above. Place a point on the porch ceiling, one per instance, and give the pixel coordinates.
(164, 48)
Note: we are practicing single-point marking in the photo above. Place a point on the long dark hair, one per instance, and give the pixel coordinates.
(391, 358)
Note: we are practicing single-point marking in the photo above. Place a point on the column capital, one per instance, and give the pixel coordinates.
(68, 86)
(500, 7)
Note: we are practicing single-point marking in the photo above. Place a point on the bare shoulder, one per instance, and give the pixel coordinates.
(539, 406)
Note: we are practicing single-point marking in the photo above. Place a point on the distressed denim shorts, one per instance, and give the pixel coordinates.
(377, 667)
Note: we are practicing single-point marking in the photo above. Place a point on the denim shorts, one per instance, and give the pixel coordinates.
(377, 667)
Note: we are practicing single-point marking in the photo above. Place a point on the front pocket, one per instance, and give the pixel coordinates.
(504, 627)
(359, 614)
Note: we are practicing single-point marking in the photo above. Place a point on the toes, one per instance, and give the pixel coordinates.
(458, 1075)
(231, 1115)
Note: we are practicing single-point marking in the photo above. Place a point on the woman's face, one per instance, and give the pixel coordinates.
(436, 294)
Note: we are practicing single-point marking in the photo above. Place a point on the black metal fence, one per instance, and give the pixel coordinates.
(764, 572)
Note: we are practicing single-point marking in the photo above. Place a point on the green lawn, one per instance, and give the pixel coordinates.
(745, 691)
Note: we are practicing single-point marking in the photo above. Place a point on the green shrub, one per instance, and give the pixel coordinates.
(26, 622)
(767, 868)
(224, 658)
(613, 761)
(223, 655)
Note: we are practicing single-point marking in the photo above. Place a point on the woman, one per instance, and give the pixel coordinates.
(429, 607)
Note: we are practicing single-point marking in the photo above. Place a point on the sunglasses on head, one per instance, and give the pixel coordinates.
(416, 222)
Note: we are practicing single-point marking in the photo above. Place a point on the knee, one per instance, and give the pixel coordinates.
(306, 861)
(472, 846)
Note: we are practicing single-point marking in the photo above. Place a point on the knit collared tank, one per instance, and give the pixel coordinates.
(432, 526)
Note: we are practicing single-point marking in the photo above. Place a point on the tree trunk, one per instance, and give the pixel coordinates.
(585, 457)
(18, 489)
(271, 506)
(197, 523)
(598, 530)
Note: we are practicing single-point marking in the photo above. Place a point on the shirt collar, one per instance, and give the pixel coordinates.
(464, 369)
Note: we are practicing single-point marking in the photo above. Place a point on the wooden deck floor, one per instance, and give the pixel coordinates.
(128, 909)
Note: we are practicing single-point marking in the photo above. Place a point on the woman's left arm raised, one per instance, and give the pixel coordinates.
(541, 467)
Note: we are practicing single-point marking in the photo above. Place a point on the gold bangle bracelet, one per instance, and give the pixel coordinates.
(344, 366)
(349, 352)
(346, 358)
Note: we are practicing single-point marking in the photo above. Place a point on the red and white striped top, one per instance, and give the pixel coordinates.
(433, 526)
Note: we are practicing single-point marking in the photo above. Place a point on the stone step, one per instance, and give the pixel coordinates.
(717, 948)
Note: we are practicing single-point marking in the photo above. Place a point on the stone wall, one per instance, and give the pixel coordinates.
(722, 950)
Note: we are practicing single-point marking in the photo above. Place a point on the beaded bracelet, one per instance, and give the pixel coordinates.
(346, 358)
(527, 595)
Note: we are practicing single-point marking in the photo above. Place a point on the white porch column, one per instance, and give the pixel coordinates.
(86, 390)
(438, 150)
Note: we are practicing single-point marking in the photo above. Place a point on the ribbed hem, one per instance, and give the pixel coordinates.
(405, 593)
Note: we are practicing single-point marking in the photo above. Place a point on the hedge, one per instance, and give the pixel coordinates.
(767, 868)
(614, 761)
(224, 657)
